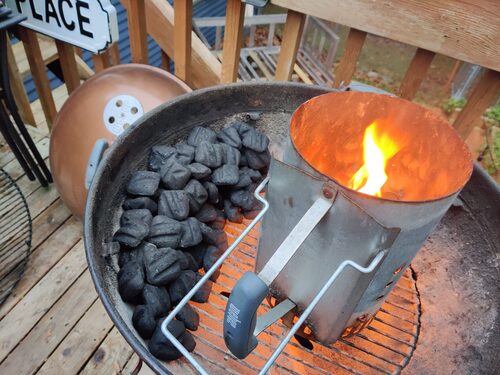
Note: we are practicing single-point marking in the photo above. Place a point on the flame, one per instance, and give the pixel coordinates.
(377, 149)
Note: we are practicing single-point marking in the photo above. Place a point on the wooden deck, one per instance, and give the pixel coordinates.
(54, 322)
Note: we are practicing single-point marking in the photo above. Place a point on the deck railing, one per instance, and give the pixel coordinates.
(466, 31)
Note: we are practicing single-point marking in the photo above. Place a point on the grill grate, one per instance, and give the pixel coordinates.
(384, 347)
(15, 234)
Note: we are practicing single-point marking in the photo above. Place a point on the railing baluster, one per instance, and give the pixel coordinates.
(290, 45)
(67, 60)
(233, 39)
(416, 73)
(183, 15)
(218, 38)
(270, 36)
(347, 66)
(136, 14)
(484, 94)
(38, 72)
(114, 54)
(17, 86)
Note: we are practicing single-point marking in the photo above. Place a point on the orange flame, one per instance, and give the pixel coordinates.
(377, 149)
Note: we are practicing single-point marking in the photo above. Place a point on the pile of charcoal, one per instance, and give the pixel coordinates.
(171, 230)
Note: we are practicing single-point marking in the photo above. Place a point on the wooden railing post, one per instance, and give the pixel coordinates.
(37, 67)
(292, 36)
(17, 86)
(183, 14)
(415, 74)
(136, 13)
(101, 61)
(484, 94)
(347, 65)
(233, 40)
(69, 68)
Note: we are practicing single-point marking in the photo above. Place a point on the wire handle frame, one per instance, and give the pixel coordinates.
(347, 263)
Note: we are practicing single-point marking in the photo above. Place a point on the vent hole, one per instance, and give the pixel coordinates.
(111, 120)
(225, 294)
(389, 284)
(380, 297)
(304, 342)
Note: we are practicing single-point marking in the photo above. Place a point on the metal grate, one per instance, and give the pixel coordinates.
(15, 234)
(384, 347)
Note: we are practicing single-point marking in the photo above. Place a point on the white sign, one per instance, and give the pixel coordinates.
(89, 24)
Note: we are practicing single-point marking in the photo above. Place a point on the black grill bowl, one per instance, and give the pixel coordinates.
(464, 249)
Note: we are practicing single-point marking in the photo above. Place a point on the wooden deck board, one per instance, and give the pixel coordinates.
(53, 321)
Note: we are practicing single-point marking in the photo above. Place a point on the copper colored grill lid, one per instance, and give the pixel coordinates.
(81, 120)
(433, 162)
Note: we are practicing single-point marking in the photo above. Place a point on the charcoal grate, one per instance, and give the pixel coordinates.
(384, 347)
(15, 234)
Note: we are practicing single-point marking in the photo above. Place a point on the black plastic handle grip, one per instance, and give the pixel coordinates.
(241, 314)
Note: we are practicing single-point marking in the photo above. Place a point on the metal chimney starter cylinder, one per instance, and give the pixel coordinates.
(314, 209)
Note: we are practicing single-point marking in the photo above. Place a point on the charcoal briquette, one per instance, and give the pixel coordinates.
(251, 214)
(257, 160)
(242, 198)
(220, 220)
(161, 265)
(211, 256)
(185, 153)
(243, 159)
(213, 192)
(178, 288)
(174, 204)
(165, 232)
(255, 140)
(161, 347)
(157, 299)
(209, 154)
(201, 134)
(141, 203)
(232, 212)
(174, 175)
(198, 252)
(191, 233)
(135, 254)
(242, 128)
(199, 171)
(144, 321)
(133, 216)
(186, 261)
(131, 282)
(159, 155)
(254, 174)
(202, 294)
(143, 183)
(189, 317)
(230, 154)
(243, 181)
(197, 195)
(188, 342)
(228, 174)
(132, 233)
(212, 236)
(207, 213)
(230, 137)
